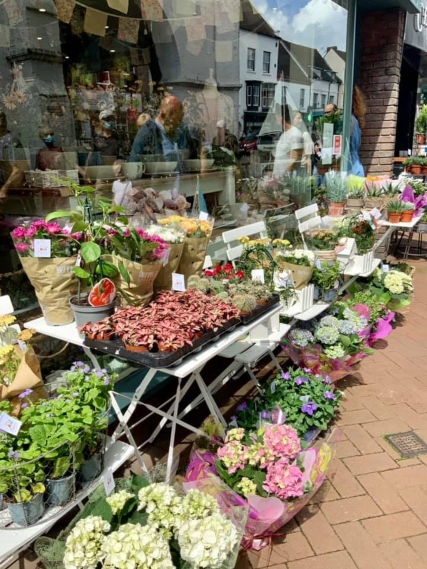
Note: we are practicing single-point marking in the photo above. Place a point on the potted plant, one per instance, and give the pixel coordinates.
(244, 303)
(394, 210)
(327, 279)
(102, 330)
(374, 196)
(361, 230)
(407, 212)
(323, 241)
(355, 199)
(417, 165)
(407, 163)
(336, 194)
(421, 126)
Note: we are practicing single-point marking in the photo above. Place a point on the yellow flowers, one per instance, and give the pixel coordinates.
(5, 352)
(191, 226)
(281, 242)
(26, 335)
(254, 242)
(6, 320)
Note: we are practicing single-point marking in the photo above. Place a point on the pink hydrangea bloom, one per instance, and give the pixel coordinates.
(232, 455)
(282, 441)
(283, 480)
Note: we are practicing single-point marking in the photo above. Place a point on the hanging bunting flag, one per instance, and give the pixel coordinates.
(207, 11)
(128, 30)
(64, 10)
(152, 10)
(14, 12)
(95, 22)
(223, 51)
(77, 21)
(195, 28)
(195, 47)
(184, 7)
(119, 5)
(223, 24)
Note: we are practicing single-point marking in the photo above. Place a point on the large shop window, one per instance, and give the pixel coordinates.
(160, 96)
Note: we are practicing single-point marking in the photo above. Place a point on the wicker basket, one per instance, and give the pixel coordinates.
(49, 179)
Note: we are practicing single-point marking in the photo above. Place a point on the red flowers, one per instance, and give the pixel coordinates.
(224, 272)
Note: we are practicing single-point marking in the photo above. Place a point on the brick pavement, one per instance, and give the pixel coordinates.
(372, 512)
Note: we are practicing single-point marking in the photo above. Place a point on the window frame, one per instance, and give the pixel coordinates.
(264, 63)
(250, 60)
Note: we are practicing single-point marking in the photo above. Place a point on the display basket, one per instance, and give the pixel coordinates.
(50, 178)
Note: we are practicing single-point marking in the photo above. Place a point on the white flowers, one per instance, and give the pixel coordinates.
(134, 546)
(398, 283)
(207, 542)
(83, 545)
(118, 500)
(168, 234)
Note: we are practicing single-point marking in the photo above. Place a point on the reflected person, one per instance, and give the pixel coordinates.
(290, 146)
(11, 174)
(49, 157)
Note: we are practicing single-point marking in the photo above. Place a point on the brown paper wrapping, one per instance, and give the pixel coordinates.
(140, 290)
(28, 376)
(300, 273)
(54, 283)
(193, 256)
(164, 278)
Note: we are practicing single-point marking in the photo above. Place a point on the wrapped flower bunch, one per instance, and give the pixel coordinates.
(168, 234)
(177, 528)
(136, 244)
(306, 401)
(394, 288)
(296, 257)
(192, 227)
(63, 243)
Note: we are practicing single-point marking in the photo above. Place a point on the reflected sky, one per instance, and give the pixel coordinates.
(314, 23)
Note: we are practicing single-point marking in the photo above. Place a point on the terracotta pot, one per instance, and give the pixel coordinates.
(394, 217)
(136, 348)
(336, 209)
(162, 348)
(416, 169)
(100, 337)
(424, 170)
(407, 216)
(420, 138)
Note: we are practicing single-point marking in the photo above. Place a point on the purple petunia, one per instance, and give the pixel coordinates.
(24, 405)
(329, 395)
(265, 415)
(301, 380)
(243, 406)
(306, 370)
(14, 454)
(285, 375)
(106, 381)
(25, 393)
(309, 408)
(327, 379)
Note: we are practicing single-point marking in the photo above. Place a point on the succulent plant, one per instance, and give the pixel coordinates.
(261, 292)
(245, 303)
(216, 287)
(223, 295)
(408, 206)
(395, 206)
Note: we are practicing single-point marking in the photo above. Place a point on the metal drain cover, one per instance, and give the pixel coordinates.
(407, 444)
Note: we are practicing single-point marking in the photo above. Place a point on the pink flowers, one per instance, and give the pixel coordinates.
(22, 247)
(284, 480)
(282, 440)
(62, 245)
(233, 456)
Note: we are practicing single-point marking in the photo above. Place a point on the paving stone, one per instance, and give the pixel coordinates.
(344, 482)
(294, 546)
(406, 477)
(370, 463)
(381, 411)
(416, 499)
(383, 493)
(419, 545)
(318, 531)
(359, 544)
(354, 417)
(361, 439)
(412, 418)
(345, 449)
(326, 493)
(338, 560)
(401, 555)
(394, 526)
(350, 509)
(387, 427)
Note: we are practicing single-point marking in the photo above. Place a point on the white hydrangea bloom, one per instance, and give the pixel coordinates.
(118, 500)
(163, 505)
(134, 546)
(83, 545)
(207, 542)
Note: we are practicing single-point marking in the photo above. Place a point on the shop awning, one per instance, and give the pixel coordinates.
(411, 6)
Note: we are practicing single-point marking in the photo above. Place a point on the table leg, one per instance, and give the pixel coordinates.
(173, 431)
(383, 238)
(213, 407)
(92, 357)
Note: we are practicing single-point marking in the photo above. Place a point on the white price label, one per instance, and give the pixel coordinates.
(272, 387)
(244, 208)
(9, 424)
(375, 213)
(78, 260)
(109, 483)
(178, 282)
(203, 216)
(318, 265)
(336, 283)
(258, 275)
(42, 248)
(386, 268)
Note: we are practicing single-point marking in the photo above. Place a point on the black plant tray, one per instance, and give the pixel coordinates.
(158, 359)
(260, 309)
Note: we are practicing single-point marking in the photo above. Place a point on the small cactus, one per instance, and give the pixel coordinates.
(223, 296)
(216, 286)
(244, 303)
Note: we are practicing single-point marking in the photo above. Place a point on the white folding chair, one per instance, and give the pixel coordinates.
(234, 251)
(308, 218)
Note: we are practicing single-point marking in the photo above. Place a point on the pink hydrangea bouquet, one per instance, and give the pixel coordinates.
(63, 243)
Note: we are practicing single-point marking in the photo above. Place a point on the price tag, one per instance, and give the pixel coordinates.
(244, 208)
(203, 216)
(336, 283)
(258, 275)
(318, 265)
(375, 213)
(109, 483)
(9, 424)
(233, 423)
(272, 387)
(386, 268)
(42, 248)
(178, 282)
(78, 260)
(166, 257)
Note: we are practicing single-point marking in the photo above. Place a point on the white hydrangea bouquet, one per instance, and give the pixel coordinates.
(152, 526)
(394, 288)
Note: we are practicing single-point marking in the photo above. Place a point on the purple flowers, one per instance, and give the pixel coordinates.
(309, 408)
(329, 395)
(106, 381)
(327, 379)
(285, 375)
(265, 415)
(24, 406)
(14, 454)
(25, 393)
(301, 380)
(243, 406)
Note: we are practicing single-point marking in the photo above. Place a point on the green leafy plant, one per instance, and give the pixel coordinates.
(421, 122)
(395, 206)
(326, 276)
(337, 189)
